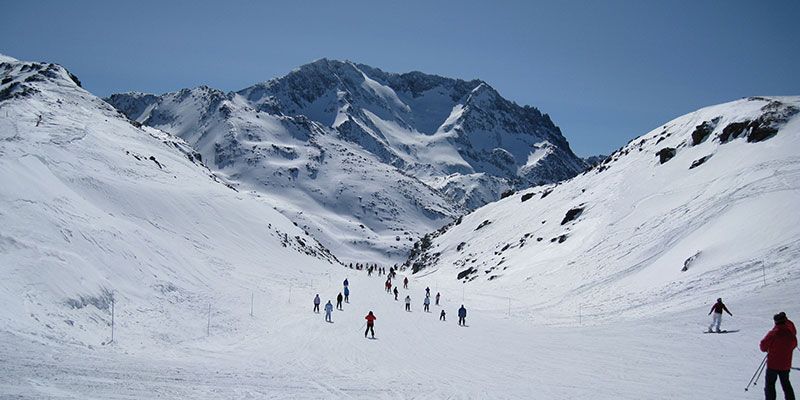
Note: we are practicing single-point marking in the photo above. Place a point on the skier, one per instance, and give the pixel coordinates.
(717, 309)
(316, 304)
(339, 301)
(388, 286)
(442, 316)
(437, 298)
(426, 304)
(405, 283)
(462, 316)
(370, 324)
(408, 303)
(779, 344)
(346, 283)
(427, 292)
(395, 293)
(328, 311)
(346, 294)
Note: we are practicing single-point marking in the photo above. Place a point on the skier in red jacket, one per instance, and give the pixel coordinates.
(779, 344)
(370, 324)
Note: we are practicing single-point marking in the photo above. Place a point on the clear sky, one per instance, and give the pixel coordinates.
(606, 71)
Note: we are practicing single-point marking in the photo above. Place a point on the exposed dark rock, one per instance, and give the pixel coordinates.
(484, 223)
(766, 126)
(153, 159)
(689, 261)
(507, 193)
(546, 192)
(572, 215)
(461, 246)
(733, 130)
(699, 162)
(526, 197)
(665, 154)
(559, 239)
(465, 273)
(703, 131)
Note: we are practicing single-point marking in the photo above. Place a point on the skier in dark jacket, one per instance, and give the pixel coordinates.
(339, 299)
(370, 324)
(316, 304)
(779, 344)
(427, 292)
(346, 283)
(462, 316)
(405, 283)
(346, 294)
(395, 293)
(442, 316)
(437, 298)
(716, 320)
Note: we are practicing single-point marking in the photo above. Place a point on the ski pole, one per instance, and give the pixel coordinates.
(763, 367)
(758, 372)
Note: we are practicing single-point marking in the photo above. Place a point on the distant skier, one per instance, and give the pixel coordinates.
(395, 293)
(388, 286)
(442, 316)
(462, 316)
(779, 344)
(427, 292)
(405, 283)
(426, 304)
(346, 294)
(408, 303)
(316, 304)
(437, 298)
(339, 299)
(346, 283)
(328, 311)
(370, 324)
(716, 320)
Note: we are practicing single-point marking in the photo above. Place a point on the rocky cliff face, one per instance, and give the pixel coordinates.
(374, 157)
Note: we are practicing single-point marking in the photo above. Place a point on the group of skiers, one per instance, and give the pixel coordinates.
(344, 296)
(779, 344)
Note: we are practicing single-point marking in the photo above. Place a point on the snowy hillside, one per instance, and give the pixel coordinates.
(702, 206)
(95, 208)
(364, 160)
(211, 288)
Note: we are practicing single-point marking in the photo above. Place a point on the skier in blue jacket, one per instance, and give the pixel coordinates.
(328, 311)
(347, 294)
(462, 316)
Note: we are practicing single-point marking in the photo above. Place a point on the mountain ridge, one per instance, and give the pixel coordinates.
(458, 143)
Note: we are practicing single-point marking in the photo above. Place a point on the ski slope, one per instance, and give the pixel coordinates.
(285, 350)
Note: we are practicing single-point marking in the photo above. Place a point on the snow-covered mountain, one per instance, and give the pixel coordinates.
(705, 204)
(95, 209)
(211, 287)
(363, 157)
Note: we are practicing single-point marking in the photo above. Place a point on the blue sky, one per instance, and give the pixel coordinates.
(606, 71)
